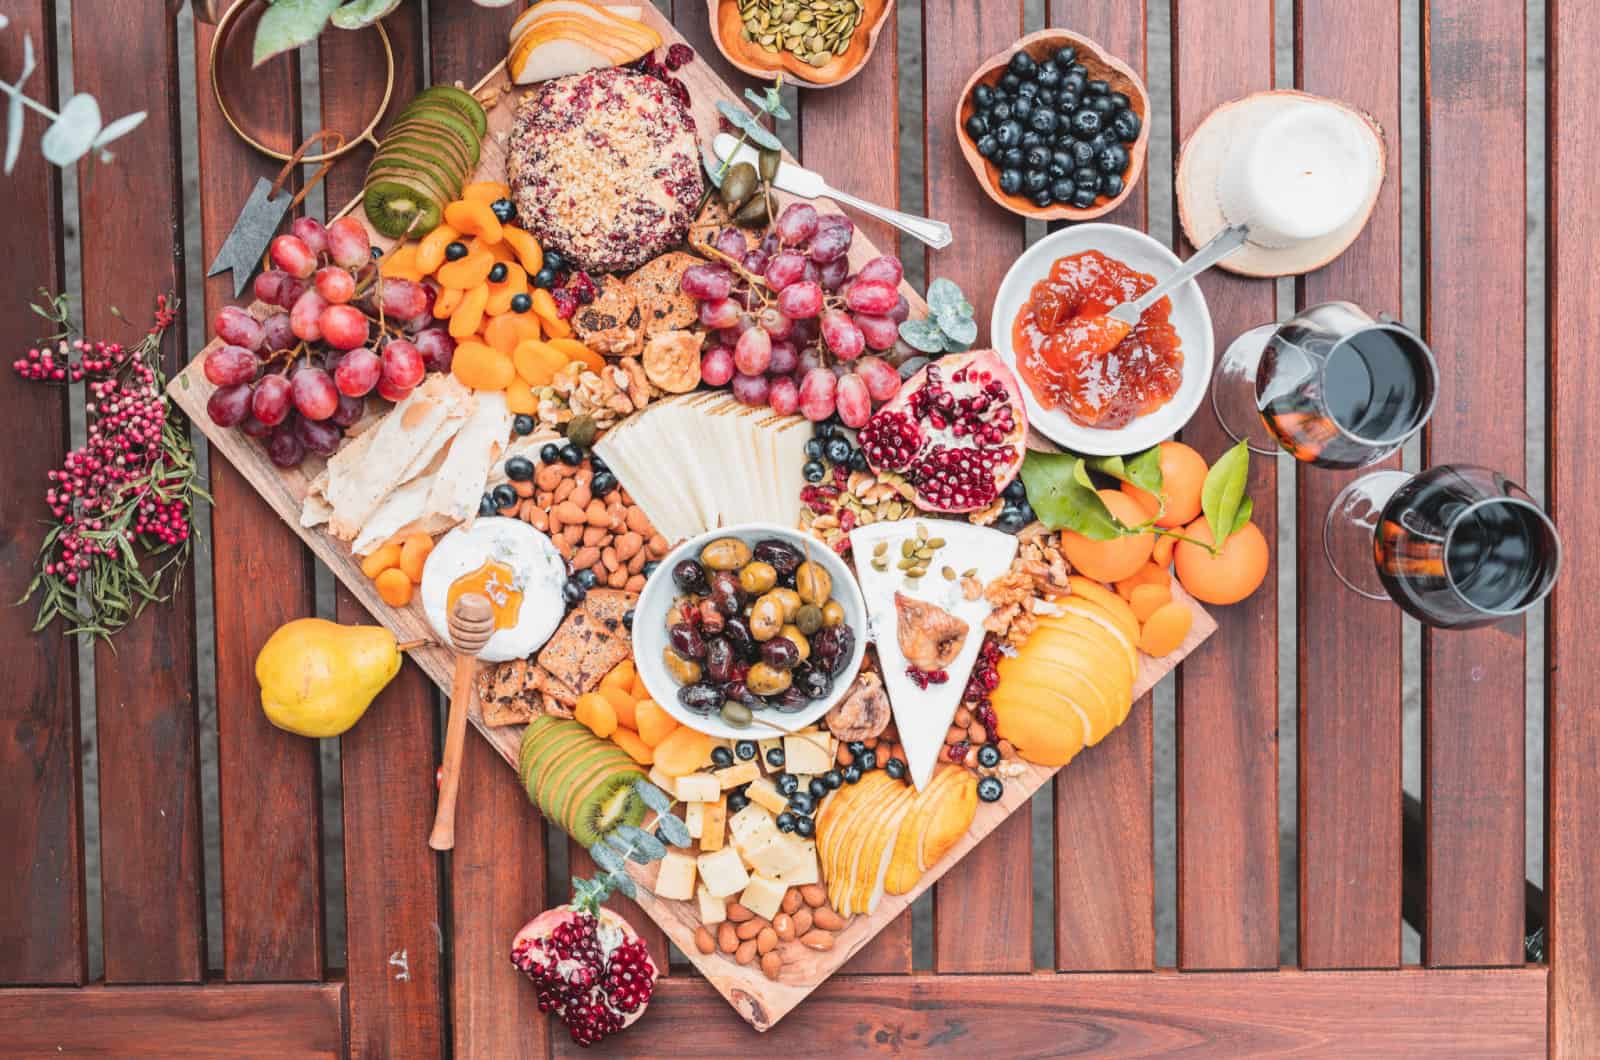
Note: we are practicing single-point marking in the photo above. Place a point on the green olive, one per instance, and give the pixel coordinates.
(799, 639)
(684, 671)
(769, 164)
(766, 618)
(737, 714)
(753, 213)
(739, 184)
(766, 680)
(791, 602)
(813, 583)
(832, 613)
(725, 553)
(581, 431)
(809, 618)
(757, 577)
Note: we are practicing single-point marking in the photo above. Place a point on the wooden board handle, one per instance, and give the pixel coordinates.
(455, 737)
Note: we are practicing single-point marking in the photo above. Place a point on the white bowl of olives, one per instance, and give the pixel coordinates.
(749, 631)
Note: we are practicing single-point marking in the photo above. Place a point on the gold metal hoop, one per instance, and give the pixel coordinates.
(228, 23)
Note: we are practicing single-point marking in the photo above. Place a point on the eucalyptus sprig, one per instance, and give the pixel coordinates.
(949, 326)
(768, 103)
(631, 843)
(73, 133)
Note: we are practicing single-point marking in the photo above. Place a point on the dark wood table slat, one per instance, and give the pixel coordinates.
(1472, 684)
(1104, 830)
(288, 1020)
(1572, 732)
(1349, 647)
(1228, 690)
(983, 907)
(42, 929)
(154, 915)
(1404, 1014)
(269, 798)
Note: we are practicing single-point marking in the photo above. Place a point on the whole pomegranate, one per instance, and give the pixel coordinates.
(589, 967)
(956, 431)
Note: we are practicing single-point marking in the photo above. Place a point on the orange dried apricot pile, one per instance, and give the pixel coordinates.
(621, 711)
(396, 567)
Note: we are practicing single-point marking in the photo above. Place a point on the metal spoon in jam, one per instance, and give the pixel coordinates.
(1101, 335)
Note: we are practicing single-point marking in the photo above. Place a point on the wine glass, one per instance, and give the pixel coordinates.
(1332, 385)
(1457, 546)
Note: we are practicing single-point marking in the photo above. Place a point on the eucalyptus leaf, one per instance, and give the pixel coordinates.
(674, 830)
(644, 847)
(652, 796)
(747, 123)
(714, 166)
(1062, 502)
(922, 334)
(14, 121)
(73, 132)
(358, 14)
(607, 856)
(623, 884)
(1223, 492)
(770, 101)
(962, 331)
(121, 127)
(287, 24)
(944, 295)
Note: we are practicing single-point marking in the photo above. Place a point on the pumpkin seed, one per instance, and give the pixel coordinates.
(907, 563)
(880, 548)
(949, 574)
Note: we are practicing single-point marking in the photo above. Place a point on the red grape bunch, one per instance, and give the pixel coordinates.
(297, 378)
(788, 324)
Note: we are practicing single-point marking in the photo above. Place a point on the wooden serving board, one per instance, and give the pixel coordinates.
(759, 1000)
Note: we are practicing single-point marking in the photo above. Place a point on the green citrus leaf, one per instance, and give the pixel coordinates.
(1247, 508)
(1223, 492)
(1061, 500)
(1140, 469)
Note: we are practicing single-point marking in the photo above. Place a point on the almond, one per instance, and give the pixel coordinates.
(976, 733)
(596, 515)
(703, 940)
(727, 941)
(583, 475)
(791, 901)
(963, 717)
(594, 535)
(573, 532)
(771, 965)
(814, 895)
(766, 941)
(955, 734)
(783, 925)
(750, 928)
(738, 913)
(827, 919)
(802, 921)
(634, 584)
(580, 494)
(747, 950)
(563, 546)
(657, 547)
(523, 489)
(628, 545)
(568, 512)
(816, 940)
(610, 554)
(636, 564)
(508, 510)
(637, 521)
(544, 498)
(548, 476)
(585, 558)
(538, 518)
(618, 579)
(564, 491)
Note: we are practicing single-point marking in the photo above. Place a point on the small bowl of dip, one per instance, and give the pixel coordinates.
(1140, 393)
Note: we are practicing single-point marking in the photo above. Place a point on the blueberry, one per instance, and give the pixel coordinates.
(851, 774)
(818, 788)
(856, 748)
(1035, 180)
(1010, 82)
(721, 757)
(1085, 123)
(839, 450)
(1037, 157)
(1126, 125)
(572, 592)
(1083, 198)
(786, 783)
(737, 801)
(1016, 490)
(785, 821)
(983, 97)
(1119, 101)
(1082, 153)
(999, 113)
(455, 250)
(1011, 520)
(1111, 184)
(813, 448)
(523, 425)
(1022, 109)
(1113, 159)
(826, 429)
(1049, 76)
(521, 303)
(1065, 57)
(627, 620)
(1043, 121)
(1061, 164)
(1031, 138)
(1078, 70)
(486, 505)
(988, 756)
(1010, 181)
(858, 461)
(802, 802)
(504, 496)
(545, 277)
(1073, 84)
(867, 760)
(1102, 106)
(805, 827)
(519, 469)
(833, 779)
(597, 465)
(977, 126)
(554, 261)
(1047, 97)
(1061, 189)
(775, 757)
(505, 211)
(571, 455)
(895, 768)
(549, 453)
(603, 483)
(1014, 157)
(376, 252)
(1022, 65)
(1042, 197)
(745, 750)
(988, 147)
(1066, 103)
(586, 578)
(1098, 88)
(814, 471)
(1087, 178)
(990, 789)
(1009, 134)
(498, 273)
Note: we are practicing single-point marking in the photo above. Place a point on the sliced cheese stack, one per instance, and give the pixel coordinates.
(703, 461)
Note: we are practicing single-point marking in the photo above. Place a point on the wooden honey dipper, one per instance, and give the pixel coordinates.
(471, 626)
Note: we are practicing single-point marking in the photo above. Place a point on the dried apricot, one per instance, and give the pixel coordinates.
(622, 703)
(1114, 560)
(430, 249)
(466, 273)
(537, 362)
(637, 749)
(445, 303)
(1229, 576)
(1165, 629)
(473, 217)
(381, 560)
(501, 294)
(482, 367)
(469, 314)
(527, 248)
(520, 400)
(577, 351)
(654, 724)
(545, 306)
(394, 587)
(1149, 574)
(414, 553)
(683, 750)
(401, 264)
(485, 191)
(499, 250)
(619, 676)
(596, 713)
(1148, 599)
(502, 332)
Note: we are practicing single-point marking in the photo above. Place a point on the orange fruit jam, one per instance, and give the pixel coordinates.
(495, 581)
(1058, 339)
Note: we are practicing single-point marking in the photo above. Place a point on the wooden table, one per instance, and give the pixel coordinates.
(426, 972)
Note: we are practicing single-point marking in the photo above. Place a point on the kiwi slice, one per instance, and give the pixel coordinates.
(542, 734)
(545, 772)
(445, 117)
(556, 781)
(442, 152)
(437, 128)
(436, 174)
(552, 741)
(609, 803)
(458, 98)
(577, 784)
(398, 206)
(426, 179)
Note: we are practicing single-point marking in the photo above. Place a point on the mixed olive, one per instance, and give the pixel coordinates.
(754, 628)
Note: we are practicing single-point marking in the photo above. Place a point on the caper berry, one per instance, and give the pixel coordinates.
(809, 618)
(737, 714)
(738, 185)
(581, 431)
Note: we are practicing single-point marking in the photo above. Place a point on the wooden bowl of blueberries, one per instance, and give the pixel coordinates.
(1055, 128)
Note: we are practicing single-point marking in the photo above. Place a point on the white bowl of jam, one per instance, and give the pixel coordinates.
(1102, 404)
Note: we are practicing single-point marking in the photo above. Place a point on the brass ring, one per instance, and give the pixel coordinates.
(224, 26)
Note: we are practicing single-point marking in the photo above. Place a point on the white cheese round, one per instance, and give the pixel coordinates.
(538, 572)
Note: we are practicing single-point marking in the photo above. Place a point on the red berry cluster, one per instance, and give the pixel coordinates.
(678, 56)
(984, 680)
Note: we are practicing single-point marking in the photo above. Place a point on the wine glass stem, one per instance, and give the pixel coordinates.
(1233, 391)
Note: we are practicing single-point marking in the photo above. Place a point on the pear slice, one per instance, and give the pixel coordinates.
(843, 812)
(873, 863)
(905, 866)
(1114, 606)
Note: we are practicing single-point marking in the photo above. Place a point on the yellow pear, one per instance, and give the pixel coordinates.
(317, 677)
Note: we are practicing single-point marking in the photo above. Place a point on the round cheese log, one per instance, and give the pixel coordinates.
(537, 573)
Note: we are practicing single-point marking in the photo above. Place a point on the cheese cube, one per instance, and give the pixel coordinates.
(751, 827)
(775, 856)
(736, 774)
(661, 780)
(713, 824)
(676, 878)
(763, 794)
(698, 787)
(763, 746)
(713, 910)
(763, 897)
(804, 871)
(807, 753)
(693, 818)
(723, 872)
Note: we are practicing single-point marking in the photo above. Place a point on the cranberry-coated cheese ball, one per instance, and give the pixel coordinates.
(604, 168)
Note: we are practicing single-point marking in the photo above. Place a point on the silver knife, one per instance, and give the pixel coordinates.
(809, 184)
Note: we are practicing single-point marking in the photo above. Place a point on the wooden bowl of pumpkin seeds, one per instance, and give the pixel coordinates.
(815, 43)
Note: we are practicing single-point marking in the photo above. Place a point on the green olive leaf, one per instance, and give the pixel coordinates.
(1061, 500)
(1223, 492)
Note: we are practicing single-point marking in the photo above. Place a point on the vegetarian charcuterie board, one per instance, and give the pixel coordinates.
(761, 999)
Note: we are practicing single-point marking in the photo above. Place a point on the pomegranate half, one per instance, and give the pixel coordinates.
(589, 967)
(956, 431)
